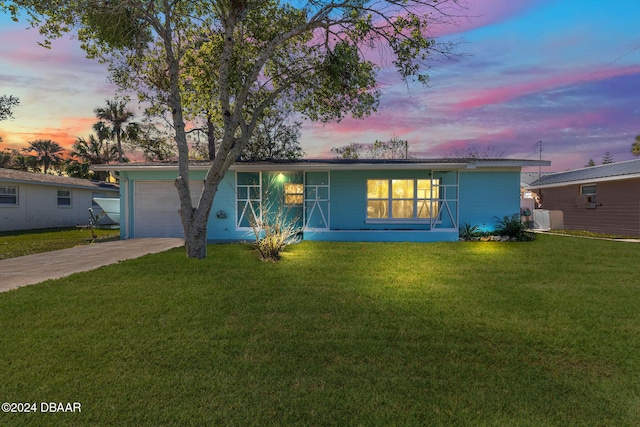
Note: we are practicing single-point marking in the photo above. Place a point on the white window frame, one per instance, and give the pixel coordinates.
(8, 195)
(590, 196)
(434, 202)
(298, 194)
(70, 198)
(247, 208)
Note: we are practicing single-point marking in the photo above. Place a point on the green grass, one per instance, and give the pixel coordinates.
(544, 333)
(583, 233)
(25, 242)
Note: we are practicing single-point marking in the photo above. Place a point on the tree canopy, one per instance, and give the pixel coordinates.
(46, 152)
(228, 61)
(7, 105)
(395, 148)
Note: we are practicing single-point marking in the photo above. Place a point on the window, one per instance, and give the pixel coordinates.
(589, 192)
(64, 197)
(248, 198)
(293, 194)
(402, 199)
(8, 195)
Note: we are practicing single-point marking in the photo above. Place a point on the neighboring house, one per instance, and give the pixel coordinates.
(602, 199)
(341, 200)
(34, 200)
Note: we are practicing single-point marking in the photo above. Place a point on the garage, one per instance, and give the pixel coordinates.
(156, 208)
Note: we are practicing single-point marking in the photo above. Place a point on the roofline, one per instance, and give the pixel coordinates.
(587, 181)
(90, 186)
(332, 165)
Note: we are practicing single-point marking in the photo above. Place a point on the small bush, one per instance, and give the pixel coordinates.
(513, 227)
(467, 231)
(273, 232)
(274, 225)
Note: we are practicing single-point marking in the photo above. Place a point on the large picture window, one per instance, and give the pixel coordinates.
(8, 195)
(402, 199)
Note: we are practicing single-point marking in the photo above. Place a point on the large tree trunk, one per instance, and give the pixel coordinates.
(195, 240)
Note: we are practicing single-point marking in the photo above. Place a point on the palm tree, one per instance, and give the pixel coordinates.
(47, 152)
(118, 116)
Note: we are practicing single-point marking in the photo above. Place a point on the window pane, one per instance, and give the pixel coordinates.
(377, 189)
(402, 209)
(7, 190)
(588, 190)
(9, 195)
(293, 199)
(7, 200)
(64, 193)
(402, 189)
(254, 193)
(435, 189)
(424, 189)
(245, 178)
(377, 209)
(242, 193)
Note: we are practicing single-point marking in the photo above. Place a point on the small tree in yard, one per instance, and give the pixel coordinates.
(275, 224)
(229, 61)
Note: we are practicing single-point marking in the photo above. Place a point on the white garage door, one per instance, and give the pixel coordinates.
(155, 212)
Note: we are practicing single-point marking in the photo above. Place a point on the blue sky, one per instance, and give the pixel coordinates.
(564, 72)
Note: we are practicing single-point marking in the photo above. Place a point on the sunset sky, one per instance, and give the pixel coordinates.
(564, 72)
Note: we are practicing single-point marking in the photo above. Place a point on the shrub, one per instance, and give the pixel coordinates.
(513, 227)
(467, 231)
(273, 232)
(274, 225)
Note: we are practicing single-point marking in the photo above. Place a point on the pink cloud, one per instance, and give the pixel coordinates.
(502, 94)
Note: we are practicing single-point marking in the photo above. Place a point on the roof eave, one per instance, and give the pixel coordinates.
(311, 166)
(586, 181)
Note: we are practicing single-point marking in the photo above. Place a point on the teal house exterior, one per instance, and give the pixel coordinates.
(419, 200)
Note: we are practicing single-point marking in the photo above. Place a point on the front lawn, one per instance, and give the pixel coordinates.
(544, 333)
(26, 242)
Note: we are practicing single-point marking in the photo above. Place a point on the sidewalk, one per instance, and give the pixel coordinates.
(36, 268)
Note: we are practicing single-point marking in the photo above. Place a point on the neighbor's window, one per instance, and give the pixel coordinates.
(293, 194)
(64, 197)
(8, 195)
(402, 199)
(589, 191)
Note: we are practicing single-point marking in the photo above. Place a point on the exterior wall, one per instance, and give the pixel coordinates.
(482, 196)
(38, 207)
(488, 196)
(617, 209)
(348, 197)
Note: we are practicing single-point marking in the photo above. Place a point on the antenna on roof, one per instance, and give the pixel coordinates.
(539, 150)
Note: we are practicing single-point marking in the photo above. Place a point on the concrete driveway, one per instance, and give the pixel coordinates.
(36, 268)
